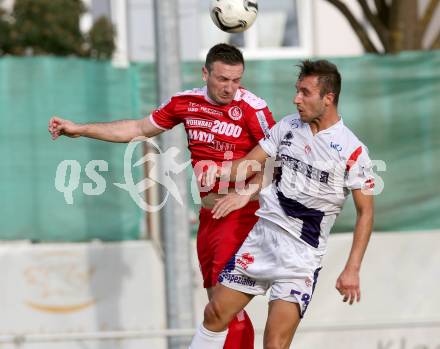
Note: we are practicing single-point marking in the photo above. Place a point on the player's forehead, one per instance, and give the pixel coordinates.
(230, 71)
(310, 82)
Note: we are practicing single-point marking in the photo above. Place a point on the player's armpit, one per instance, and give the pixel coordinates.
(147, 128)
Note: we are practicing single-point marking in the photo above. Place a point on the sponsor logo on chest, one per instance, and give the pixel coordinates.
(287, 139)
(335, 146)
(218, 127)
(304, 168)
(193, 107)
(235, 113)
(198, 123)
(197, 108)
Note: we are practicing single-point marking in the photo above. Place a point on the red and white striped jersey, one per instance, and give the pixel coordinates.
(214, 129)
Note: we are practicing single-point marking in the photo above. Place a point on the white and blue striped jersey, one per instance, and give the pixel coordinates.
(315, 174)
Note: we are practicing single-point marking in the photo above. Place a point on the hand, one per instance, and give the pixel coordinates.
(58, 127)
(348, 285)
(229, 203)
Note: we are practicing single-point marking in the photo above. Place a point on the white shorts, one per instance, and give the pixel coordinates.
(270, 257)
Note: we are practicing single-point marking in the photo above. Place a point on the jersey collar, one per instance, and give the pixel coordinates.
(328, 130)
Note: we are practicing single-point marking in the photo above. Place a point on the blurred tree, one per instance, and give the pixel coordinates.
(101, 39)
(48, 26)
(52, 27)
(397, 23)
(5, 33)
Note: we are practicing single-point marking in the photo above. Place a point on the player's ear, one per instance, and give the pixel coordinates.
(205, 73)
(329, 98)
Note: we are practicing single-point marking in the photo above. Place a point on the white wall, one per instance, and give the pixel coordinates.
(82, 288)
(48, 289)
(333, 35)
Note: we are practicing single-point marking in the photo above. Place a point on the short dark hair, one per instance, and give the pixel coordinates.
(328, 75)
(224, 53)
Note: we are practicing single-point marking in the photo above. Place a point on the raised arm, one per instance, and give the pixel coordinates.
(121, 131)
(348, 283)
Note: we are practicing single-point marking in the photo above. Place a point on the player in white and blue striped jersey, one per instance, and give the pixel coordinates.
(320, 162)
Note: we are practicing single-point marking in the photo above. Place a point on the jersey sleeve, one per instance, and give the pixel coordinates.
(359, 170)
(271, 142)
(166, 117)
(260, 123)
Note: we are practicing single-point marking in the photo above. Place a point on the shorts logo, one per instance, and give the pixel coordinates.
(307, 149)
(230, 266)
(308, 282)
(369, 183)
(245, 259)
(236, 279)
(235, 113)
(305, 300)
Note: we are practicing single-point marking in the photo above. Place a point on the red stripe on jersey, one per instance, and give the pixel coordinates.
(353, 158)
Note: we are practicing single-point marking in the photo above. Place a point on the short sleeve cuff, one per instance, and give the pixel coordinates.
(156, 124)
(268, 146)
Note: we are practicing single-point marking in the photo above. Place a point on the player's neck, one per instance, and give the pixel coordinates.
(324, 122)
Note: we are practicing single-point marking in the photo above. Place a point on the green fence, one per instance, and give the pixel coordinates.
(390, 102)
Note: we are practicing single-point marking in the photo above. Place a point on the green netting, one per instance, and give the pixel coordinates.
(388, 101)
(31, 90)
(391, 103)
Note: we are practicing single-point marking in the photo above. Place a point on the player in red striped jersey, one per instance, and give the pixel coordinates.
(222, 121)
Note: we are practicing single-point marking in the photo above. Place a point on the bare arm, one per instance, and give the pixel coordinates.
(240, 170)
(348, 283)
(121, 131)
(238, 198)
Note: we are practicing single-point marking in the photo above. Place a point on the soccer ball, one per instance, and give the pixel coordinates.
(233, 16)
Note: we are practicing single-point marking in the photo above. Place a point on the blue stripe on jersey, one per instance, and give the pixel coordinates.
(311, 218)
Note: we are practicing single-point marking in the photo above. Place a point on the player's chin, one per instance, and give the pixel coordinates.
(225, 100)
(303, 116)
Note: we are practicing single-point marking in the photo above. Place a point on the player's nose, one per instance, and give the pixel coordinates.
(229, 87)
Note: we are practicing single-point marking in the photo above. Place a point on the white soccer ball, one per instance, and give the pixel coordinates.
(233, 16)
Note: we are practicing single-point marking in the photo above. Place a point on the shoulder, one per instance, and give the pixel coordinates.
(351, 143)
(251, 99)
(182, 97)
(199, 91)
(292, 121)
(288, 123)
